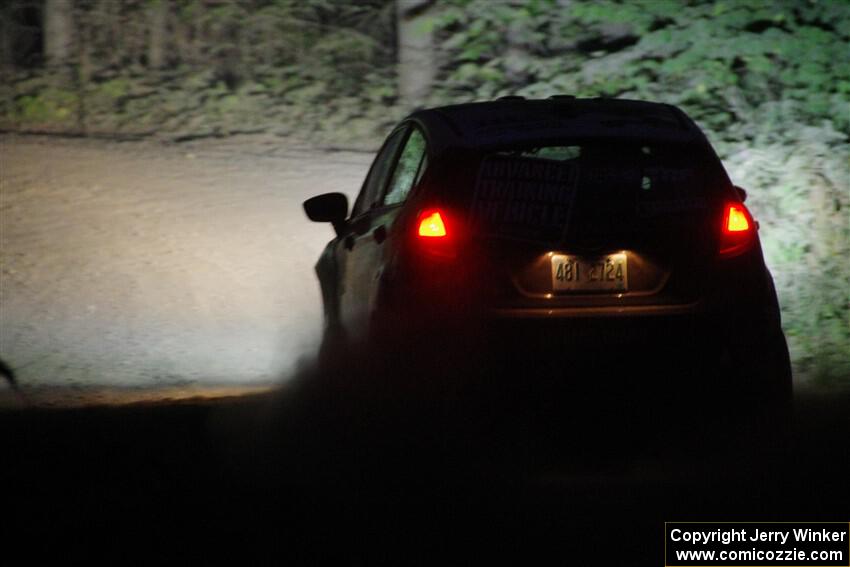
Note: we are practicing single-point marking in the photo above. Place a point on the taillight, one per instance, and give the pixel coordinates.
(736, 219)
(738, 231)
(432, 225)
(436, 233)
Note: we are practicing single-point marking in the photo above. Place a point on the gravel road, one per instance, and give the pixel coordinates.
(160, 270)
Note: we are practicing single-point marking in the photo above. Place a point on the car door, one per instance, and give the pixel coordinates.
(359, 246)
(367, 255)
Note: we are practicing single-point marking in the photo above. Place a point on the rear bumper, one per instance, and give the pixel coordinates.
(607, 311)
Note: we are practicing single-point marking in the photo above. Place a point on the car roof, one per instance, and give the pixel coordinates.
(517, 121)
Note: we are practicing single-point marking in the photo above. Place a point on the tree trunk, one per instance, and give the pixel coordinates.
(6, 27)
(157, 18)
(417, 65)
(82, 70)
(58, 32)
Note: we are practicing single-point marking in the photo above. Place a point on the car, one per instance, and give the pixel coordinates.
(579, 232)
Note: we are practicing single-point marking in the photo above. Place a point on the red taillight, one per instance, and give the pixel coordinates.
(738, 230)
(736, 219)
(436, 234)
(431, 225)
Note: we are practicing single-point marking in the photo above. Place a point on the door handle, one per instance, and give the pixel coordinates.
(348, 242)
(380, 234)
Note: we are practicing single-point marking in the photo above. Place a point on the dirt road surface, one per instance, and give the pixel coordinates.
(134, 267)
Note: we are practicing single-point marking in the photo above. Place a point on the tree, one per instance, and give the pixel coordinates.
(58, 31)
(417, 66)
(157, 17)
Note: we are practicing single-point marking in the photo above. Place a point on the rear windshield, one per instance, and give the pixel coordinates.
(533, 192)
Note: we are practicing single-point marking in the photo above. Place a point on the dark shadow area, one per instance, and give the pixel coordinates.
(8, 375)
(404, 455)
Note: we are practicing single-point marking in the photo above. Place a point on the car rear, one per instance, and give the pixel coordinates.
(606, 230)
(617, 229)
(593, 258)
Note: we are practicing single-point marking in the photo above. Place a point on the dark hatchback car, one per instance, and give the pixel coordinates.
(570, 231)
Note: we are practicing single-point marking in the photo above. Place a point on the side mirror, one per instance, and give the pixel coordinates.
(742, 193)
(329, 207)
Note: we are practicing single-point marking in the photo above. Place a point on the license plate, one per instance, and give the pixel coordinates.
(606, 273)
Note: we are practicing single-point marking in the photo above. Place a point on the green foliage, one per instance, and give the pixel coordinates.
(697, 54)
(50, 106)
(113, 89)
(799, 191)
